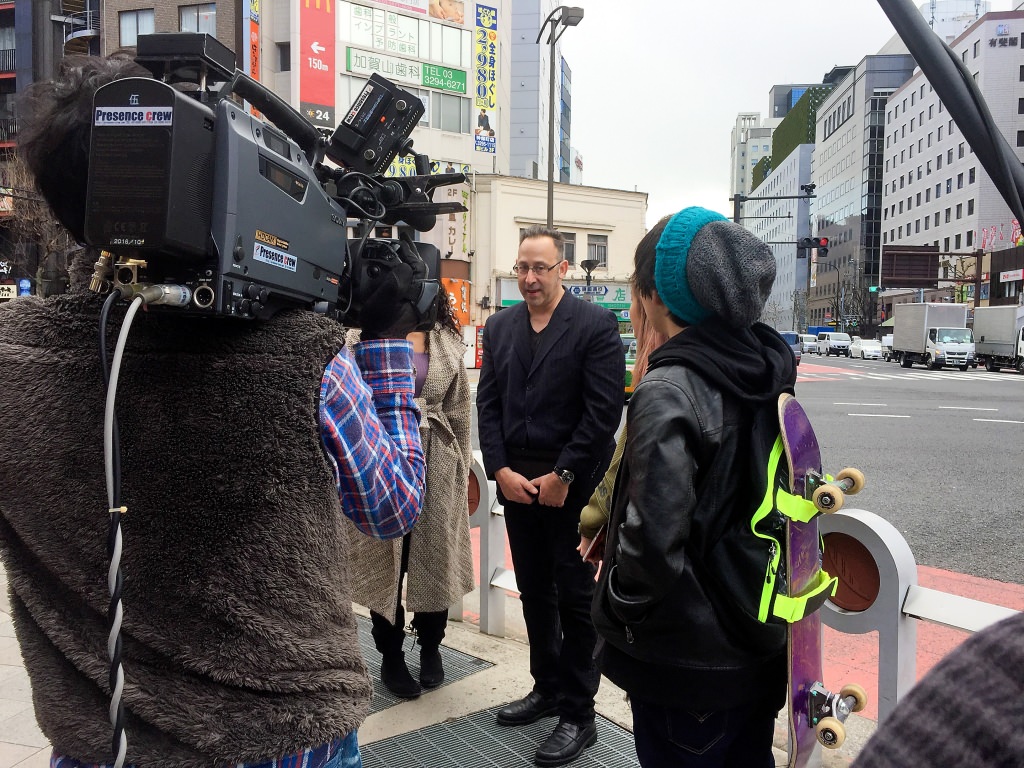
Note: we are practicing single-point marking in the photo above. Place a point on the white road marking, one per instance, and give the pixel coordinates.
(1000, 421)
(963, 408)
(883, 416)
(865, 405)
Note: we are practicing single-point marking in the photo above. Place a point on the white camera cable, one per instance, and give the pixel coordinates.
(111, 456)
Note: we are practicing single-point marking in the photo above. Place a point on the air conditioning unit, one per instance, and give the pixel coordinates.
(485, 302)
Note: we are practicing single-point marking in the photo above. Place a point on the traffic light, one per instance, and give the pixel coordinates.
(821, 243)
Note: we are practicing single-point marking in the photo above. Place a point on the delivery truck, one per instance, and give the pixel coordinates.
(932, 334)
(999, 337)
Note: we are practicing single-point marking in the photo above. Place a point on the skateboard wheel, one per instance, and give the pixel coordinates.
(831, 733)
(860, 698)
(828, 498)
(856, 478)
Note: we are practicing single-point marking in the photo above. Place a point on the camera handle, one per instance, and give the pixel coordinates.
(281, 114)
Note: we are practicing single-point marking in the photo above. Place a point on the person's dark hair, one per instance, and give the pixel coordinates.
(55, 126)
(446, 313)
(644, 260)
(538, 230)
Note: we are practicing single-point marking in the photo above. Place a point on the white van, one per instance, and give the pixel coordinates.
(808, 342)
(834, 343)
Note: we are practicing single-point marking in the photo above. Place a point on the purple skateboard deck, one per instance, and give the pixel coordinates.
(803, 561)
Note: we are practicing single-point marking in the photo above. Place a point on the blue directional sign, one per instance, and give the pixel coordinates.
(24, 287)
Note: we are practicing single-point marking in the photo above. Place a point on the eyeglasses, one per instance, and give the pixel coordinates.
(538, 269)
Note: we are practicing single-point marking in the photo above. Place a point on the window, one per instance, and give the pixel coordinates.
(949, 157)
(959, 210)
(938, 162)
(970, 176)
(198, 18)
(939, 137)
(597, 249)
(956, 242)
(917, 227)
(918, 201)
(970, 238)
(977, 43)
(284, 57)
(936, 218)
(959, 181)
(450, 112)
(949, 212)
(570, 247)
(938, 192)
(945, 244)
(960, 150)
(927, 195)
(970, 208)
(133, 24)
(949, 185)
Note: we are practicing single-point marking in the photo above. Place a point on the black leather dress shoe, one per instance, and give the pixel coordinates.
(527, 710)
(565, 743)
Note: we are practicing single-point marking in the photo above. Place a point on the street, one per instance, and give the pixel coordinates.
(940, 450)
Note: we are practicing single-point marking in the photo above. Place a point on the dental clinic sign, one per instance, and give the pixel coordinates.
(366, 63)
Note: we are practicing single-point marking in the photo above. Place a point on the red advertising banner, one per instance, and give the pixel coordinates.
(316, 61)
(253, 68)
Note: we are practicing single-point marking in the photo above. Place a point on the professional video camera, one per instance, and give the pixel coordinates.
(210, 210)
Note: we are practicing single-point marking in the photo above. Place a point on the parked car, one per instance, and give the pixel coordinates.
(629, 348)
(866, 349)
(833, 343)
(793, 339)
(808, 342)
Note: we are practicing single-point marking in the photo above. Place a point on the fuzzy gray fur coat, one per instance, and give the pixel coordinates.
(239, 641)
(440, 552)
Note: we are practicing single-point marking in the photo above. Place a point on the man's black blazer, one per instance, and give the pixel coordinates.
(562, 405)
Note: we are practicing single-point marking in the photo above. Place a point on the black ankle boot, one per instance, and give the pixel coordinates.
(431, 667)
(396, 677)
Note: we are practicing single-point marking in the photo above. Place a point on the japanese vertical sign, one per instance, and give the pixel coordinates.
(316, 61)
(486, 50)
(252, 67)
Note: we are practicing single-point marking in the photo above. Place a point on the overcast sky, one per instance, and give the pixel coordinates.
(657, 84)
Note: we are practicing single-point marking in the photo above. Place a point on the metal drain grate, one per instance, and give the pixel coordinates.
(457, 665)
(477, 741)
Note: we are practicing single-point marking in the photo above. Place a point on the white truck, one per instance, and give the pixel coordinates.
(999, 337)
(933, 334)
(887, 348)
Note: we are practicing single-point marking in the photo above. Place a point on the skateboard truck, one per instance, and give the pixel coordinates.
(829, 494)
(828, 711)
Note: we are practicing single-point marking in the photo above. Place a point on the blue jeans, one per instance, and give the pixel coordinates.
(666, 737)
(340, 753)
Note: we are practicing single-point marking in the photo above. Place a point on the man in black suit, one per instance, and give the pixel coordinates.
(549, 402)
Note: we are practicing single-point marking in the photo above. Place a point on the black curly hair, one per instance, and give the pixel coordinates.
(56, 126)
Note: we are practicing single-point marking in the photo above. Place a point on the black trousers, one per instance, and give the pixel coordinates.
(666, 737)
(429, 625)
(556, 588)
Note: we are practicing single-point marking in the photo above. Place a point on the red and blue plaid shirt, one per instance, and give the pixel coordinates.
(369, 423)
(370, 426)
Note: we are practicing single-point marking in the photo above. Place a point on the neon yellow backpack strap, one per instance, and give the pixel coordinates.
(796, 508)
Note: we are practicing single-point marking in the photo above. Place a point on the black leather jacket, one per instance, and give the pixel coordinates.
(672, 632)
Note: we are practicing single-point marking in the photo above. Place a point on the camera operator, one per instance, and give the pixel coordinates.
(242, 444)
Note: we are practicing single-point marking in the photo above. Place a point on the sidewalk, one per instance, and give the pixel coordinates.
(501, 677)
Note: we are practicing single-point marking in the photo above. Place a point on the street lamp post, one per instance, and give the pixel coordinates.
(564, 16)
(589, 265)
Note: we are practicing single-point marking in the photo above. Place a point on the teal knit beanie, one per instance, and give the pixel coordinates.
(706, 265)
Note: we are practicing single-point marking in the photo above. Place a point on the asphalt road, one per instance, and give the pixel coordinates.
(941, 452)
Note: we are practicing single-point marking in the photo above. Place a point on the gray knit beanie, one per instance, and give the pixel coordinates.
(706, 265)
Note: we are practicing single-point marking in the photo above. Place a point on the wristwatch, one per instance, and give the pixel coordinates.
(564, 475)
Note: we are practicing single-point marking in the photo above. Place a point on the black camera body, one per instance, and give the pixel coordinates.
(233, 216)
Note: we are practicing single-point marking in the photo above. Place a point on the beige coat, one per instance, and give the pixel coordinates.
(440, 553)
